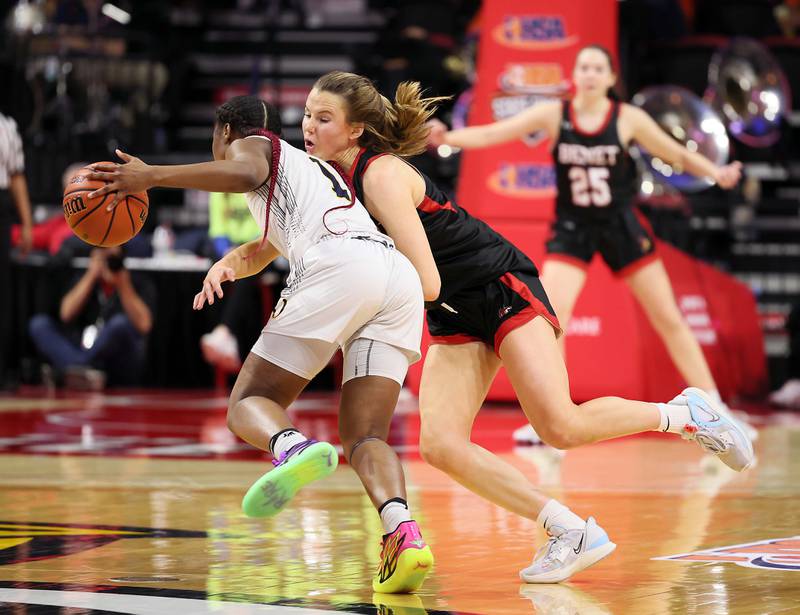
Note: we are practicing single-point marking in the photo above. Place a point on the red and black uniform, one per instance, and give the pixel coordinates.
(596, 177)
(489, 286)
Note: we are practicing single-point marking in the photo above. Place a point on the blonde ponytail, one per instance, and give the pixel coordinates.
(405, 130)
(397, 127)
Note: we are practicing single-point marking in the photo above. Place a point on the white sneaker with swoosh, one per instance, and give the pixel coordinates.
(568, 552)
(714, 431)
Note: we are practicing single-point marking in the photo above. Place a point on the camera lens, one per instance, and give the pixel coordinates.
(114, 263)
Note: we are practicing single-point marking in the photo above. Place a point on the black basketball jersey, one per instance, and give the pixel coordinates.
(467, 251)
(595, 175)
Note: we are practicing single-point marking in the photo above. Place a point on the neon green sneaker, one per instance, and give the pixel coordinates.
(302, 464)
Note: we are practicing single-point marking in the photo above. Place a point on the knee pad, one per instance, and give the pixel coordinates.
(366, 357)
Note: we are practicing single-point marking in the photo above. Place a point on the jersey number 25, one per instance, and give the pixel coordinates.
(590, 186)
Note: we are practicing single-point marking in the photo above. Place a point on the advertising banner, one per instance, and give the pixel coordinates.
(526, 53)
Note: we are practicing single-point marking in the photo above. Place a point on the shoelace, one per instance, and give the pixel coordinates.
(556, 548)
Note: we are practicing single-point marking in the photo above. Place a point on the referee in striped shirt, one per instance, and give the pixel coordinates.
(13, 191)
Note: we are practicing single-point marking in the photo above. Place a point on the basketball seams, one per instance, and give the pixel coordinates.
(91, 211)
(76, 197)
(137, 198)
(110, 224)
(130, 215)
(83, 189)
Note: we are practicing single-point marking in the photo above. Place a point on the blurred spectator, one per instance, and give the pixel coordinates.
(788, 395)
(104, 321)
(229, 225)
(13, 188)
(420, 44)
(48, 236)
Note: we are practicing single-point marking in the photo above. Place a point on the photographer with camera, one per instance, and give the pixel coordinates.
(104, 320)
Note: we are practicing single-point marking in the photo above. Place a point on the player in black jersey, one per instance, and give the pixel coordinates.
(485, 316)
(595, 179)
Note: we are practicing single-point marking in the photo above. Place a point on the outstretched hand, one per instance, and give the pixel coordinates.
(729, 175)
(212, 285)
(128, 178)
(437, 131)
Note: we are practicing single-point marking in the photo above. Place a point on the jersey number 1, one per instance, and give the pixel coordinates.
(590, 186)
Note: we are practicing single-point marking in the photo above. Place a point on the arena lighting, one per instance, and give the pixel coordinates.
(116, 13)
(445, 151)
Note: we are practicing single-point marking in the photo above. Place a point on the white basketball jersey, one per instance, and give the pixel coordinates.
(307, 193)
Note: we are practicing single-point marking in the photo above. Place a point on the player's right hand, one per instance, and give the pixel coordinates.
(437, 131)
(729, 175)
(212, 285)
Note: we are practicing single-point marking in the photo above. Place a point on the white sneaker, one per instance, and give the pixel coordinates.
(788, 395)
(568, 552)
(526, 435)
(221, 348)
(713, 431)
(739, 417)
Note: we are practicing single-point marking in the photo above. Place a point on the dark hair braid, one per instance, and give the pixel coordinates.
(248, 116)
(248, 113)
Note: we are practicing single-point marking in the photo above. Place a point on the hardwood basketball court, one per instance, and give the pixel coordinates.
(130, 504)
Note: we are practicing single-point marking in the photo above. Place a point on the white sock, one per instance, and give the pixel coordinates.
(393, 513)
(284, 440)
(714, 394)
(555, 514)
(673, 417)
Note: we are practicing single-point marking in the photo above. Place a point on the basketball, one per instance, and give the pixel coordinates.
(90, 219)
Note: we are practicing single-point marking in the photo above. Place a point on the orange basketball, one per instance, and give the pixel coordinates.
(90, 219)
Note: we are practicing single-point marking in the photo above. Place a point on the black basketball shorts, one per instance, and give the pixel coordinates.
(625, 240)
(490, 312)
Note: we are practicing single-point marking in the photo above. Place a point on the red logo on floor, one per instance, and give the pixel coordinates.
(776, 554)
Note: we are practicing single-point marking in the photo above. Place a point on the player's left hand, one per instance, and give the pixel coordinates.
(729, 175)
(212, 285)
(128, 178)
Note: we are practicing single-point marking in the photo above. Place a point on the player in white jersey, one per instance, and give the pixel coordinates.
(348, 287)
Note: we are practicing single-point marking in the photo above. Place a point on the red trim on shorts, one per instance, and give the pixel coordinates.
(429, 206)
(371, 160)
(536, 308)
(452, 340)
(639, 263)
(603, 126)
(523, 318)
(566, 258)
